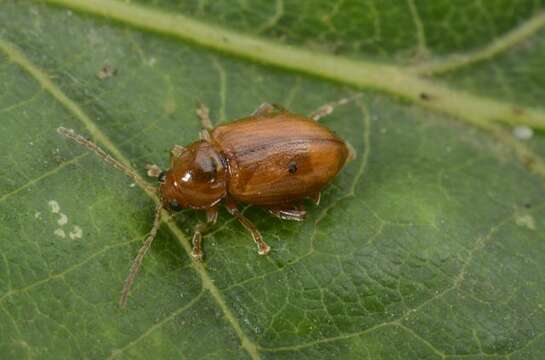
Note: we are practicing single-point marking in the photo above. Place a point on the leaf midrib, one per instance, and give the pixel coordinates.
(397, 81)
(391, 79)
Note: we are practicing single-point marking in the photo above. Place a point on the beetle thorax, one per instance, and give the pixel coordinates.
(196, 179)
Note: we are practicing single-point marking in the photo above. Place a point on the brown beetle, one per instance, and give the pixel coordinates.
(273, 159)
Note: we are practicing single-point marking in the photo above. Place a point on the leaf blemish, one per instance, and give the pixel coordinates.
(54, 206)
(106, 71)
(60, 233)
(523, 132)
(526, 220)
(63, 219)
(76, 233)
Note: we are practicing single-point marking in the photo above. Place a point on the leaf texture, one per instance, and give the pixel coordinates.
(429, 245)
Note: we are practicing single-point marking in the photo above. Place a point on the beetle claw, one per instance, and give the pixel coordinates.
(196, 256)
(263, 249)
(153, 170)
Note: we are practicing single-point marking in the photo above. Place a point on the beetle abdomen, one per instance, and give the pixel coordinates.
(276, 160)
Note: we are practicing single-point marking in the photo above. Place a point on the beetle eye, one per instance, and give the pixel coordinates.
(162, 176)
(174, 205)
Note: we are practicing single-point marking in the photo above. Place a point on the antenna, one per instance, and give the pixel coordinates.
(72, 135)
(137, 262)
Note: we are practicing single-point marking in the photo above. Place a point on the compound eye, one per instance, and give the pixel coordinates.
(174, 205)
(162, 176)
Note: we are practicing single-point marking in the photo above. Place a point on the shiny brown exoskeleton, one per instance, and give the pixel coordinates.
(273, 159)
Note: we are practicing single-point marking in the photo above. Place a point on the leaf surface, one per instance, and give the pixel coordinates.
(429, 245)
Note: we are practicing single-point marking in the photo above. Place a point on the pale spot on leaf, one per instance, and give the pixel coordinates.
(63, 219)
(76, 233)
(526, 220)
(60, 233)
(54, 206)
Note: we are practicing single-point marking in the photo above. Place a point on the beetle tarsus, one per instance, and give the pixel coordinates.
(196, 253)
(262, 247)
(328, 108)
(204, 115)
(268, 109)
(289, 213)
(200, 229)
(153, 170)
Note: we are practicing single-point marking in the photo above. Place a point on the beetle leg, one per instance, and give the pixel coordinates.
(204, 134)
(316, 198)
(176, 151)
(204, 115)
(328, 108)
(211, 218)
(266, 109)
(289, 213)
(262, 247)
(153, 170)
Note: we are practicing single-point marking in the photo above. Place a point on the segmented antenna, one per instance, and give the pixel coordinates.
(137, 262)
(72, 135)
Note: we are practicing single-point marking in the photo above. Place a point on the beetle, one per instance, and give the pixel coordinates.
(273, 158)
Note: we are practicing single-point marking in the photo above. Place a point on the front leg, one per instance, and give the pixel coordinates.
(211, 218)
(262, 247)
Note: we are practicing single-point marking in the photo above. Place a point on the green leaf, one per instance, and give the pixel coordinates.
(429, 245)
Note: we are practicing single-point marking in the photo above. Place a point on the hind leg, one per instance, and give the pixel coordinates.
(262, 247)
(295, 213)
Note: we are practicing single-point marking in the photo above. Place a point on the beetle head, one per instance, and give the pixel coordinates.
(196, 178)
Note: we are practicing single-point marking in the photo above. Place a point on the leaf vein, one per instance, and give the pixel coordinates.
(115, 353)
(499, 45)
(65, 271)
